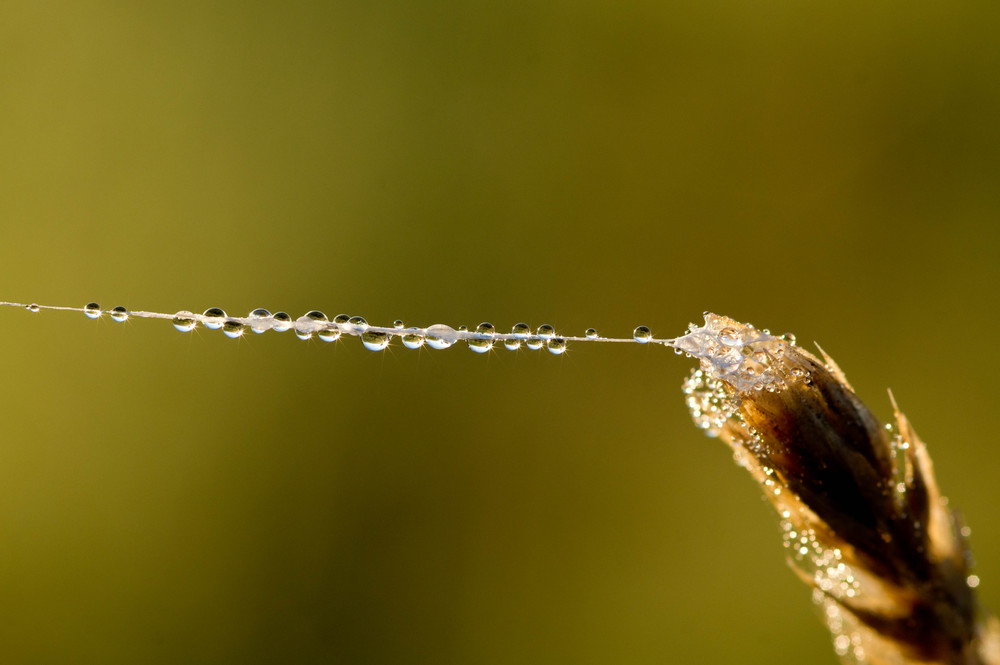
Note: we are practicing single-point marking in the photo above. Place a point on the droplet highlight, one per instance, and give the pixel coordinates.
(233, 329)
(260, 320)
(92, 310)
(590, 333)
(215, 318)
(440, 336)
(412, 341)
(642, 335)
(556, 345)
(119, 314)
(282, 322)
(184, 321)
(374, 341)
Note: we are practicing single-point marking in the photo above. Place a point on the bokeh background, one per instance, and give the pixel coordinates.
(824, 168)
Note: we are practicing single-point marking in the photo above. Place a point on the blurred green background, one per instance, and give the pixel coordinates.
(824, 168)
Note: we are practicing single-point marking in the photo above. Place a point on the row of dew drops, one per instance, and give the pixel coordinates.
(438, 336)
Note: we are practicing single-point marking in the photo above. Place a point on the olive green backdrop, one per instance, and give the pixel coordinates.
(824, 168)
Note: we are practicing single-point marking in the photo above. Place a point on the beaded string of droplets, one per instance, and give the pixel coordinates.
(722, 344)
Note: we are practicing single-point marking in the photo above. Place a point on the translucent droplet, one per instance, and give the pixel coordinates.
(730, 337)
(303, 334)
(545, 331)
(398, 325)
(358, 323)
(216, 318)
(412, 341)
(590, 333)
(512, 344)
(642, 334)
(184, 321)
(119, 314)
(374, 341)
(92, 310)
(440, 336)
(556, 345)
(316, 315)
(485, 328)
(534, 343)
(463, 329)
(342, 319)
(521, 330)
(789, 337)
(282, 322)
(260, 320)
(233, 329)
(33, 308)
(329, 334)
(482, 345)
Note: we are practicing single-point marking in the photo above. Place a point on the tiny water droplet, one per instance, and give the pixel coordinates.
(485, 328)
(412, 341)
(590, 333)
(342, 319)
(730, 337)
(233, 329)
(521, 330)
(398, 324)
(374, 341)
(534, 343)
(329, 334)
(789, 337)
(316, 315)
(184, 321)
(556, 345)
(483, 345)
(545, 331)
(358, 323)
(92, 310)
(642, 335)
(259, 320)
(282, 321)
(512, 344)
(119, 314)
(33, 308)
(463, 329)
(216, 318)
(440, 336)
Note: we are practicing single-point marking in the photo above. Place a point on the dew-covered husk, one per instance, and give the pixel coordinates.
(861, 514)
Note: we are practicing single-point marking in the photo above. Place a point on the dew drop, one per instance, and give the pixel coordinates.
(374, 341)
(329, 334)
(534, 343)
(545, 331)
(521, 330)
(512, 344)
(398, 324)
(358, 323)
(216, 318)
(730, 337)
(642, 335)
(440, 336)
(92, 310)
(259, 320)
(282, 322)
(33, 308)
(412, 341)
(789, 337)
(463, 329)
(119, 314)
(184, 321)
(316, 315)
(483, 345)
(556, 345)
(590, 333)
(233, 329)
(341, 319)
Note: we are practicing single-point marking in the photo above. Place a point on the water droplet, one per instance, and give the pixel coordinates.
(483, 345)
(119, 314)
(463, 329)
(260, 320)
(342, 319)
(590, 333)
(545, 331)
(329, 334)
(233, 329)
(730, 337)
(374, 341)
(282, 322)
(92, 310)
(398, 324)
(534, 343)
(33, 308)
(216, 318)
(184, 321)
(358, 323)
(556, 345)
(316, 315)
(520, 330)
(412, 341)
(642, 335)
(440, 336)
(789, 337)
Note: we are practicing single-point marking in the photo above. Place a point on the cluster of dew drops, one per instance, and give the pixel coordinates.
(439, 336)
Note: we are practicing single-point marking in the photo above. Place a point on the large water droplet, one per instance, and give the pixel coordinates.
(316, 315)
(282, 321)
(216, 318)
(260, 320)
(184, 321)
(119, 314)
(545, 331)
(440, 336)
(520, 330)
(483, 345)
(329, 334)
(342, 319)
(33, 308)
(374, 341)
(233, 329)
(92, 310)
(590, 333)
(358, 323)
(412, 341)
(556, 345)
(642, 334)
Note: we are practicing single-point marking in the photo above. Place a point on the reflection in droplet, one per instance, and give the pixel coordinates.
(374, 341)
(119, 314)
(260, 320)
(398, 325)
(412, 341)
(440, 336)
(642, 334)
(184, 321)
(216, 318)
(92, 310)
(282, 322)
(482, 345)
(358, 323)
(556, 345)
(233, 329)
(545, 331)
(590, 333)
(33, 308)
